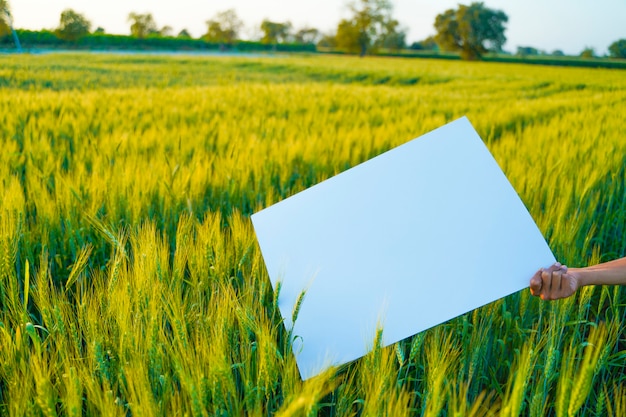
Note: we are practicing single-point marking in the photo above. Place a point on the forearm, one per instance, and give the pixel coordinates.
(608, 273)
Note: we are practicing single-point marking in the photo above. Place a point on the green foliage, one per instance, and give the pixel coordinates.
(142, 25)
(527, 51)
(307, 35)
(371, 26)
(5, 29)
(130, 277)
(224, 28)
(72, 25)
(618, 49)
(104, 41)
(5, 18)
(393, 37)
(588, 53)
(473, 30)
(275, 32)
(350, 38)
(428, 44)
(249, 46)
(35, 38)
(166, 31)
(448, 35)
(564, 61)
(328, 41)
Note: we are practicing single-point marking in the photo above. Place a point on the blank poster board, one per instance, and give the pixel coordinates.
(418, 235)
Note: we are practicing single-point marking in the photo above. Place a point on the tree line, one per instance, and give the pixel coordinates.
(471, 30)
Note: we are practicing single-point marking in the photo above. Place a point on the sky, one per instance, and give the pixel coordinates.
(568, 25)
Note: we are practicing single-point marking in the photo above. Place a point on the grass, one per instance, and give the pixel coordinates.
(130, 278)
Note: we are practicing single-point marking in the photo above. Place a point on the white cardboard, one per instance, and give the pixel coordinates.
(423, 233)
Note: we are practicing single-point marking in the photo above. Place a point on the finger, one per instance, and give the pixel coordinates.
(546, 277)
(561, 282)
(557, 288)
(536, 283)
(554, 267)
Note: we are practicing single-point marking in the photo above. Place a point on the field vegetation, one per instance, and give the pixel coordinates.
(131, 282)
(48, 40)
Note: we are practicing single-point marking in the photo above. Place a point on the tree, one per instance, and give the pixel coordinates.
(524, 51)
(328, 40)
(349, 37)
(99, 29)
(184, 34)
(588, 53)
(6, 23)
(370, 26)
(473, 30)
(393, 37)
(166, 31)
(618, 49)
(275, 32)
(307, 35)
(5, 18)
(427, 44)
(142, 25)
(72, 25)
(223, 28)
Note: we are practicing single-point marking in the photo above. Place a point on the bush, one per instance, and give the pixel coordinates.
(104, 41)
(618, 49)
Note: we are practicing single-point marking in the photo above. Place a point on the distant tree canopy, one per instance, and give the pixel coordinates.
(428, 44)
(275, 32)
(393, 36)
(328, 40)
(350, 38)
(618, 49)
(72, 25)
(142, 25)
(527, 51)
(473, 30)
(184, 34)
(307, 35)
(166, 30)
(588, 53)
(223, 28)
(371, 26)
(5, 18)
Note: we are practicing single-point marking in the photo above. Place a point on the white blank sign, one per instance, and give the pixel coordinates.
(407, 240)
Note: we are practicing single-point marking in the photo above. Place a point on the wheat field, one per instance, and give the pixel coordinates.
(131, 282)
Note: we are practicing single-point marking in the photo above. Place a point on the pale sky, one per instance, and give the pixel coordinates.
(568, 25)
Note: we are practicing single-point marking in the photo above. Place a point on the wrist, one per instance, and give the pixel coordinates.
(583, 276)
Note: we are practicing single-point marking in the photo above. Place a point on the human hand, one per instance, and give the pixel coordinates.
(554, 282)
